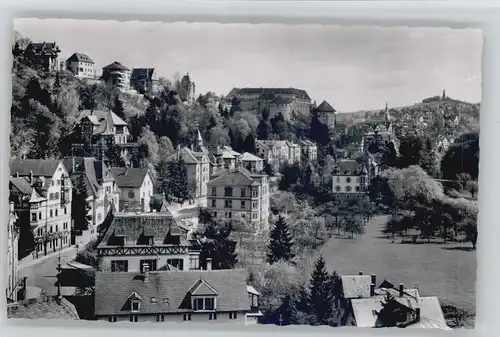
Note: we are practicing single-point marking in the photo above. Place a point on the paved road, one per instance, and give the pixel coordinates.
(37, 274)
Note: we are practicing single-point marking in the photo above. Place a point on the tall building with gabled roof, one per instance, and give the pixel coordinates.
(326, 114)
(241, 193)
(116, 74)
(81, 65)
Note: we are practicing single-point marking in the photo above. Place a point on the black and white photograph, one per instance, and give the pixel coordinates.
(191, 173)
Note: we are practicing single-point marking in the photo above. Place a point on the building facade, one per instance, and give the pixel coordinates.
(136, 188)
(251, 162)
(96, 131)
(278, 153)
(102, 190)
(309, 150)
(326, 114)
(12, 255)
(131, 240)
(240, 193)
(212, 296)
(41, 191)
(349, 179)
(45, 55)
(116, 75)
(81, 66)
(144, 80)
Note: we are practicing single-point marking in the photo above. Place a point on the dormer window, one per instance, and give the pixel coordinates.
(135, 305)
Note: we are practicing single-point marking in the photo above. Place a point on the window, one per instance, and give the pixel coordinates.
(136, 306)
(348, 188)
(214, 191)
(112, 319)
(150, 263)
(243, 204)
(233, 315)
(40, 215)
(57, 212)
(204, 303)
(243, 192)
(134, 318)
(119, 265)
(255, 192)
(348, 179)
(255, 301)
(228, 204)
(33, 216)
(65, 210)
(228, 191)
(228, 215)
(176, 263)
(254, 215)
(51, 213)
(50, 231)
(187, 317)
(57, 228)
(254, 204)
(51, 196)
(160, 317)
(213, 203)
(337, 188)
(131, 194)
(57, 196)
(212, 316)
(357, 188)
(194, 262)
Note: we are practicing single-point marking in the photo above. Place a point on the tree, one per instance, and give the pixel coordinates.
(80, 207)
(249, 144)
(264, 127)
(217, 245)
(353, 225)
(280, 246)
(118, 107)
(462, 157)
(113, 157)
(321, 299)
(165, 148)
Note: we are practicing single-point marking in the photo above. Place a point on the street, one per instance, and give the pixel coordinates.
(37, 274)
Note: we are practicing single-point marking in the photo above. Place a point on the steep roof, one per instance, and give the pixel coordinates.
(348, 167)
(115, 66)
(100, 117)
(45, 47)
(238, 177)
(142, 73)
(79, 57)
(129, 176)
(186, 154)
(22, 184)
(247, 156)
(356, 286)
(134, 227)
(325, 107)
(170, 289)
(39, 167)
(43, 308)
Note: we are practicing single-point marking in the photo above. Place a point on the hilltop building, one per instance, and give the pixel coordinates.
(80, 65)
(116, 75)
(187, 90)
(326, 114)
(278, 100)
(45, 55)
(144, 80)
(41, 191)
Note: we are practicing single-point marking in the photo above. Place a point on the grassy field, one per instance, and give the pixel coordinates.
(443, 270)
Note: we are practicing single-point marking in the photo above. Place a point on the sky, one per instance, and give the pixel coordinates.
(352, 67)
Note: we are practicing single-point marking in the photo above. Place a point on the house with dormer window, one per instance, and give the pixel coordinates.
(349, 179)
(213, 296)
(128, 242)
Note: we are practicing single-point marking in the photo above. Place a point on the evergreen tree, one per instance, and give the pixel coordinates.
(264, 127)
(182, 181)
(80, 207)
(249, 144)
(280, 246)
(321, 299)
(278, 125)
(118, 108)
(112, 156)
(218, 246)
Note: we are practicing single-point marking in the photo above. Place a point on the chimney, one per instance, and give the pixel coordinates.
(360, 273)
(209, 263)
(401, 289)
(417, 312)
(374, 279)
(145, 267)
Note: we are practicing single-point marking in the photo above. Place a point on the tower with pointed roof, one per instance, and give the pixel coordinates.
(326, 113)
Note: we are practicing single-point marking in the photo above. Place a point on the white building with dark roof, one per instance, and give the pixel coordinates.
(41, 191)
(214, 296)
(128, 241)
(136, 186)
(81, 65)
(251, 162)
(349, 179)
(239, 192)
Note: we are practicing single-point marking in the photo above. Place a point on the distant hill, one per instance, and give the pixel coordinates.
(428, 110)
